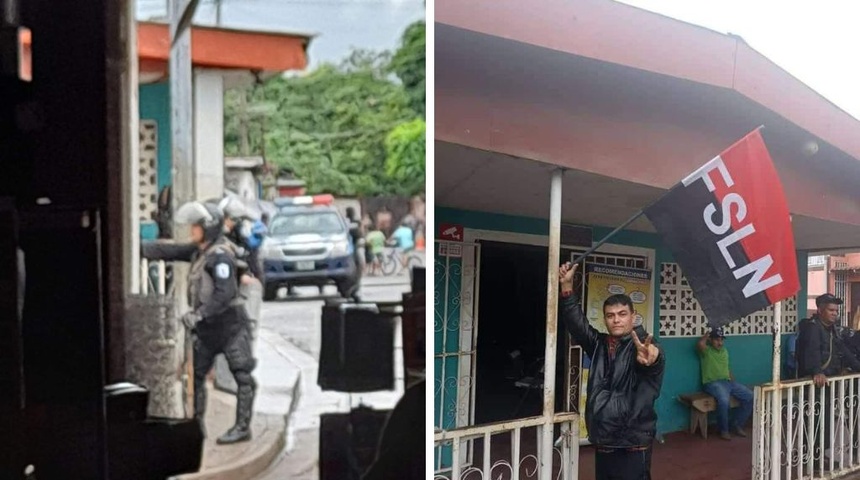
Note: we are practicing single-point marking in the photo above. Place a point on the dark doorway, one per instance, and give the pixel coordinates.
(512, 333)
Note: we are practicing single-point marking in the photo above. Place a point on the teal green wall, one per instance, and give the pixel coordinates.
(155, 105)
(750, 355)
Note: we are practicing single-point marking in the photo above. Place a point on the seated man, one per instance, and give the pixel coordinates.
(718, 381)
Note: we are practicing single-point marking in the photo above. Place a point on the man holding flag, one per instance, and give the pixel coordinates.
(624, 382)
(728, 227)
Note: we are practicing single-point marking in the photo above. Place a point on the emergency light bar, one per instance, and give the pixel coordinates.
(325, 199)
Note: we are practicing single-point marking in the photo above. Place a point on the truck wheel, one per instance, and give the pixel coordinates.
(270, 291)
(347, 289)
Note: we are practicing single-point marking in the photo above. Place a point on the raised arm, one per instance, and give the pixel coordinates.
(702, 344)
(181, 252)
(571, 312)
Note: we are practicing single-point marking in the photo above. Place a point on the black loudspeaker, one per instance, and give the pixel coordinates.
(414, 333)
(357, 351)
(141, 448)
(174, 447)
(349, 442)
(125, 405)
(63, 360)
(419, 279)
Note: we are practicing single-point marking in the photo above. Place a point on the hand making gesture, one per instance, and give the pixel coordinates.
(646, 352)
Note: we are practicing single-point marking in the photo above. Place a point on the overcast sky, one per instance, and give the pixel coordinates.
(817, 42)
(341, 24)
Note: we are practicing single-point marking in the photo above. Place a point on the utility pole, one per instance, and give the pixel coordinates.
(182, 152)
(181, 96)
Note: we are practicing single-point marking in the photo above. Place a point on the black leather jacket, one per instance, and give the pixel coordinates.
(619, 411)
(822, 349)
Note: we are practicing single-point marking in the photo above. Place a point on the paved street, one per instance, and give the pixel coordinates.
(289, 343)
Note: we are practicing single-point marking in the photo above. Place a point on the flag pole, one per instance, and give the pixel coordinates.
(777, 343)
(637, 215)
(610, 235)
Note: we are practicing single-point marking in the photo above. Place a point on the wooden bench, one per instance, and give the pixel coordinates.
(700, 404)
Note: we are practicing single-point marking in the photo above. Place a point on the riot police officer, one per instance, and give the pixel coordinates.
(217, 317)
(245, 230)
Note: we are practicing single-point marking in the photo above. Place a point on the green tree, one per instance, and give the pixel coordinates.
(408, 64)
(329, 127)
(405, 161)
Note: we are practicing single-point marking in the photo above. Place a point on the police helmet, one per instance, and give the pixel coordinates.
(207, 215)
(236, 209)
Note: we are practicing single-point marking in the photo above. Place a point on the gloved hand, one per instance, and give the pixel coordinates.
(190, 319)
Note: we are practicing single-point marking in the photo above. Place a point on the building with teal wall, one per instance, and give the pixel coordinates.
(750, 354)
(155, 106)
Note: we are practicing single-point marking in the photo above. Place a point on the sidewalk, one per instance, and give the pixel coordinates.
(277, 397)
(300, 460)
(242, 460)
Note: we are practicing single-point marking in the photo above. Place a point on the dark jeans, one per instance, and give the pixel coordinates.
(622, 463)
(722, 391)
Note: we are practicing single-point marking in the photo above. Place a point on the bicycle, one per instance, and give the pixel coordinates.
(391, 261)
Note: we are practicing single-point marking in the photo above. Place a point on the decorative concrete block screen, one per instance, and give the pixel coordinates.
(681, 316)
(148, 170)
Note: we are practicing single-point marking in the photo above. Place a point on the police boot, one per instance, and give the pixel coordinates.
(200, 409)
(241, 431)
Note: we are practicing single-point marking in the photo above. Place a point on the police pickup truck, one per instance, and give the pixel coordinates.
(309, 243)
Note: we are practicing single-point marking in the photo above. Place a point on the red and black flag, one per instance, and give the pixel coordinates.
(728, 227)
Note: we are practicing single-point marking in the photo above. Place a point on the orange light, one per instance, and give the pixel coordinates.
(324, 199)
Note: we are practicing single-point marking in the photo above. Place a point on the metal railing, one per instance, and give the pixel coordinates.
(153, 277)
(817, 428)
(511, 450)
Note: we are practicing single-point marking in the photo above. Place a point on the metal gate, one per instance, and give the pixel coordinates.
(455, 325)
(463, 451)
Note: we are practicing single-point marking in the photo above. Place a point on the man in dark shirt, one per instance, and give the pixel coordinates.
(821, 353)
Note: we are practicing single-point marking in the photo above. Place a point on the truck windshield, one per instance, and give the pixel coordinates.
(322, 223)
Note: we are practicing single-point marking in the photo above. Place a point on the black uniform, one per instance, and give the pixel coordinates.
(213, 293)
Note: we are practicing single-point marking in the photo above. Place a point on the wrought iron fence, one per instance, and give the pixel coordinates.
(805, 432)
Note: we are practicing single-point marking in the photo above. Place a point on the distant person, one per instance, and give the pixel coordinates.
(416, 218)
(404, 239)
(356, 231)
(625, 379)
(718, 381)
(376, 244)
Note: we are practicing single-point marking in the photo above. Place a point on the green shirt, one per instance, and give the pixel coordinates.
(376, 240)
(715, 364)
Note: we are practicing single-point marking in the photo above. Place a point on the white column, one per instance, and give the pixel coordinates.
(546, 441)
(131, 165)
(208, 134)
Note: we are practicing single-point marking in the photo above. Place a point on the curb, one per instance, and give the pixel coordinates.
(273, 442)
